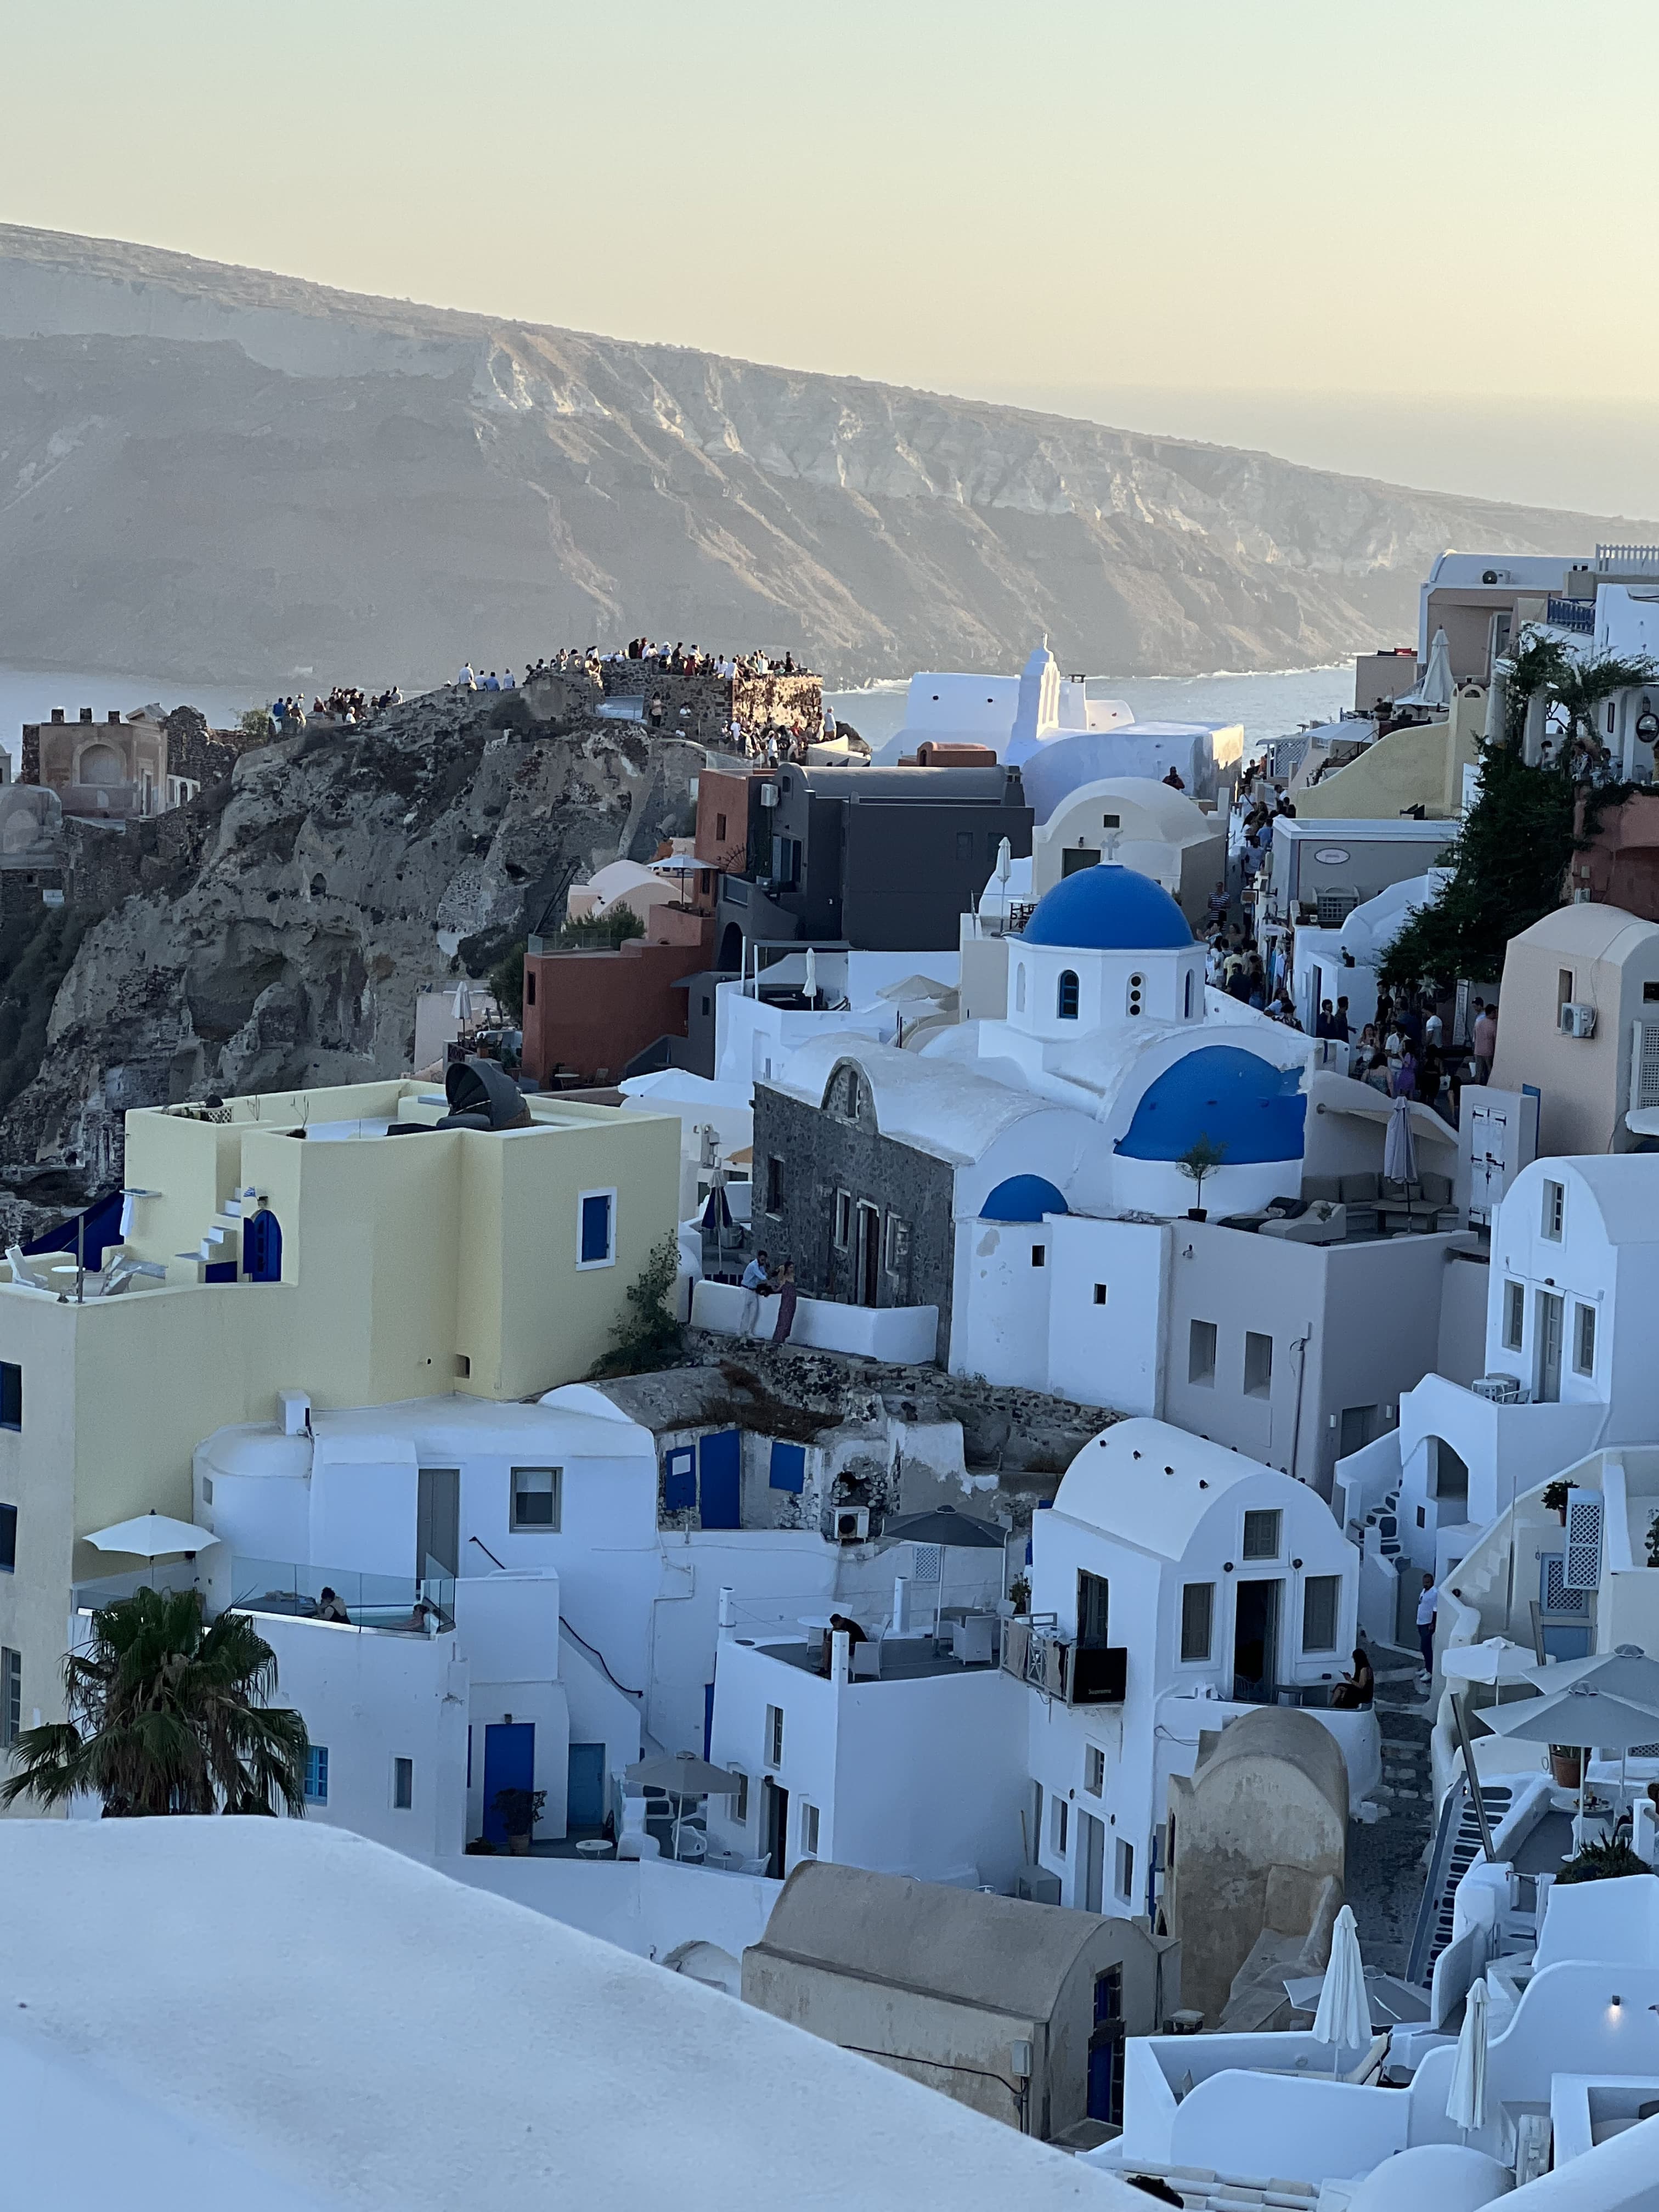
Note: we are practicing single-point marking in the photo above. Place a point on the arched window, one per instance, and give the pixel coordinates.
(852, 1094)
(1065, 996)
(1188, 1009)
(1020, 988)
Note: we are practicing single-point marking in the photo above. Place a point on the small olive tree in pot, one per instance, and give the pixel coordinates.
(519, 1811)
(1198, 1161)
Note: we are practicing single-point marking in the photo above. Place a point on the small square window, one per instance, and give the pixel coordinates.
(1039, 1256)
(1555, 1200)
(1126, 1868)
(316, 1774)
(403, 1784)
(1583, 1340)
(11, 1394)
(1262, 1535)
(1514, 1314)
(809, 1831)
(774, 1735)
(1100, 1294)
(1094, 1769)
(536, 1499)
(1650, 995)
(8, 1540)
(1258, 1364)
(1200, 1353)
(596, 1229)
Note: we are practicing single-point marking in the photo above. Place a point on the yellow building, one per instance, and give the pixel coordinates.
(337, 1242)
(1417, 765)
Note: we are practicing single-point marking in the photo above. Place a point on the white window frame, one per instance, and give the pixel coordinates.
(586, 1266)
(1514, 1314)
(552, 1528)
(811, 1828)
(1551, 1227)
(1583, 1314)
(1094, 1769)
(772, 1746)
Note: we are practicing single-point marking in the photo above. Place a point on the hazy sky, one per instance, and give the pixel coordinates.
(1433, 217)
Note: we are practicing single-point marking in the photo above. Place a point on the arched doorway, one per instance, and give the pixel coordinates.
(262, 1248)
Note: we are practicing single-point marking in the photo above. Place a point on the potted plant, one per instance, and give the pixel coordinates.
(1198, 1161)
(1555, 1499)
(519, 1811)
(1566, 1765)
(1653, 1541)
(1019, 1593)
(1603, 1862)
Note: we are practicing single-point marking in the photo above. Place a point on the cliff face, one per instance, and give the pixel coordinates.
(236, 476)
(275, 931)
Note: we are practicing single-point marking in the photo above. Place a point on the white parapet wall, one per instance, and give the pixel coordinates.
(901, 1335)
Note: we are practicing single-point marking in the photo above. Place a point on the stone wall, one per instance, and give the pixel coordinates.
(702, 707)
(822, 1152)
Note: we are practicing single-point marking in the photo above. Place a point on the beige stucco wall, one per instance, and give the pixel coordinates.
(1584, 1082)
(1421, 767)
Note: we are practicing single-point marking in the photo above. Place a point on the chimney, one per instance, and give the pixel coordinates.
(57, 713)
(86, 713)
(115, 714)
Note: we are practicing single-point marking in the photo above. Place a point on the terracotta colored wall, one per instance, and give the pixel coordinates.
(594, 1010)
(1619, 867)
(719, 793)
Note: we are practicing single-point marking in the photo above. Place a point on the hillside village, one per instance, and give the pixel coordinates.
(1004, 1414)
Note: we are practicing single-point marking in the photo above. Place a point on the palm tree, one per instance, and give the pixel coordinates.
(168, 1714)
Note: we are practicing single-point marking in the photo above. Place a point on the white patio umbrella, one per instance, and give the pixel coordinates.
(1495, 1662)
(1400, 1145)
(1466, 2101)
(1626, 1672)
(1434, 687)
(152, 1536)
(462, 1008)
(1582, 1717)
(1344, 2018)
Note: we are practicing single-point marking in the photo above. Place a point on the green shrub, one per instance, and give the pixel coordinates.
(648, 1336)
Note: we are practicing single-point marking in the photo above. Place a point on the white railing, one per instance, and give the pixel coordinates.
(1626, 556)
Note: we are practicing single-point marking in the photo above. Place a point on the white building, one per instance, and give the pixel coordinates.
(1575, 1263)
(1174, 1585)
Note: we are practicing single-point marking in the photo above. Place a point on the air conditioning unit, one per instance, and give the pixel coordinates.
(1578, 1020)
(768, 795)
(1501, 1389)
(1496, 576)
(852, 1524)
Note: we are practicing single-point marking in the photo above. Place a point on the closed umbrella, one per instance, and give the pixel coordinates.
(152, 1536)
(1466, 2101)
(812, 988)
(1343, 2017)
(1400, 1145)
(462, 1008)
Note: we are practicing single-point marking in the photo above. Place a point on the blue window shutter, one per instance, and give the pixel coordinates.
(788, 1467)
(596, 1227)
(679, 1480)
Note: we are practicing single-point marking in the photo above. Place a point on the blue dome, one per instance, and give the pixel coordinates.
(1023, 1198)
(1108, 908)
(1241, 1102)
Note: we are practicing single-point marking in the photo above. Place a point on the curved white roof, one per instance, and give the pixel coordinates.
(955, 1118)
(1593, 931)
(1149, 1483)
(1622, 1186)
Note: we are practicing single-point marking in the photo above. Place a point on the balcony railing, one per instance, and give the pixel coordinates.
(1570, 614)
(1035, 1651)
(399, 1603)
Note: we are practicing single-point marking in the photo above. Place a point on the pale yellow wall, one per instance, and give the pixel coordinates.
(1421, 767)
(1583, 1081)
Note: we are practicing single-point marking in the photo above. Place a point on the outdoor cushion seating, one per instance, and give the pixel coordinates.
(1361, 1189)
(1328, 1187)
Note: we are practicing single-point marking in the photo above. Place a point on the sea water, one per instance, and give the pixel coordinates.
(29, 694)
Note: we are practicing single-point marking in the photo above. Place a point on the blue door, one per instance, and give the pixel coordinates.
(585, 1801)
(719, 1463)
(262, 1248)
(509, 1764)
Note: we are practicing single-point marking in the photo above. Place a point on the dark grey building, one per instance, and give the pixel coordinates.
(882, 859)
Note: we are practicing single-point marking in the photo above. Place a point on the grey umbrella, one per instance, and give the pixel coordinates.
(1585, 1717)
(682, 1776)
(943, 1524)
(1627, 1673)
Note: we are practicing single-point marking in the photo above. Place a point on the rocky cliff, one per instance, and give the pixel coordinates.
(231, 475)
(275, 931)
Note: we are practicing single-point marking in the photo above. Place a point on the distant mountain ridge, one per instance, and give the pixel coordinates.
(213, 471)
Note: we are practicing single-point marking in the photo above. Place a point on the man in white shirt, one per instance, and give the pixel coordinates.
(1425, 1612)
(755, 1283)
